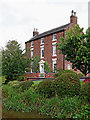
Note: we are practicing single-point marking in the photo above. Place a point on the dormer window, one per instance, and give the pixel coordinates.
(31, 43)
(54, 37)
(42, 40)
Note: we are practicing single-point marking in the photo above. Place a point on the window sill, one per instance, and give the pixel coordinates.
(54, 55)
(54, 40)
(42, 44)
(42, 57)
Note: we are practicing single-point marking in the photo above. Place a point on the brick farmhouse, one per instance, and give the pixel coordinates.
(44, 45)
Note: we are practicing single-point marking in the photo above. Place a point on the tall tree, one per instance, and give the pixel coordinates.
(75, 48)
(14, 62)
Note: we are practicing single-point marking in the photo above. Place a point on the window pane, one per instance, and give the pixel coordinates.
(54, 66)
(42, 52)
(42, 40)
(54, 50)
(54, 37)
(31, 53)
(68, 66)
(32, 44)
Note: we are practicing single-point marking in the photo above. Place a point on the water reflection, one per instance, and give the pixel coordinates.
(18, 114)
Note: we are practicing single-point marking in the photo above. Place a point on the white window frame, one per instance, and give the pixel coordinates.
(54, 49)
(32, 52)
(42, 39)
(42, 48)
(54, 62)
(31, 67)
(32, 43)
(68, 66)
(54, 39)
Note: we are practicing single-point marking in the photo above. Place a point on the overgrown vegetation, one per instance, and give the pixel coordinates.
(63, 107)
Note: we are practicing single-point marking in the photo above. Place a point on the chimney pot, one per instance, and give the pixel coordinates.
(74, 13)
(35, 32)
(73, 17)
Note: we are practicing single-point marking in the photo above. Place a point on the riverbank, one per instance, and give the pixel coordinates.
(56, 107)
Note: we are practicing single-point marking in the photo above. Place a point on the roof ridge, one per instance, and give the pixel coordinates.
(54, 30)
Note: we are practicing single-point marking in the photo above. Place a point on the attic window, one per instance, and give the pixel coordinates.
(54, 37)
(31, 43)
(42, 40)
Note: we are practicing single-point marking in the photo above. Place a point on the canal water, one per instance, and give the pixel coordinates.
(19, 114)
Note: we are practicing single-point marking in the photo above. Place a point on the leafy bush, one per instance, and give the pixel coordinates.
(14, 83)
(63, 71)
(21, 78)
(25, 85)
(35, 84)
(85, 90)
(80, 74)
(46, 88)
(2, 79)
(67, 84)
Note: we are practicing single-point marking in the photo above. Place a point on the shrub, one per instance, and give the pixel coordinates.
(46, 88)
(2, 79)
(85, 90)
(25, 85)
(67, 84)
(64, 71)
(21, 78)
(14, 83)
(35, 84)
(80, 74)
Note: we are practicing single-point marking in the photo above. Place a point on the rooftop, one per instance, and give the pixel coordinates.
(52, 31)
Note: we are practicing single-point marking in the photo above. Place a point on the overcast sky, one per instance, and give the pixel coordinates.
(18, 18)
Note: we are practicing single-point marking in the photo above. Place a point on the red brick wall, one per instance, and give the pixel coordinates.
(48, 50)
(35, 76)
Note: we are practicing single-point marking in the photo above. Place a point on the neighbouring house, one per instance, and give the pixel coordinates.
(44, 45)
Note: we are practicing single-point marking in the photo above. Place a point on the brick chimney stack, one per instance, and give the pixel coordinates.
(73, 17)
(35, 32)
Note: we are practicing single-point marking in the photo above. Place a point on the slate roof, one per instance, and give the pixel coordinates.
(52, 31)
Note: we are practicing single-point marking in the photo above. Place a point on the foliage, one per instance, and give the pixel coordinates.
(3, 79)
(35, 84)
(56, 107)
(80, 74)
(14, 83)
(14, 62)
(67, 84)
(46, 88)
(85, 90)
(47, 67)
(21, 78)
(63, 71)
(75, 48)
(35, 64)
(25, 85)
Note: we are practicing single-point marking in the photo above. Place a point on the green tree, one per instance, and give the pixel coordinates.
(14, 62)
(75, 48)
(46, 66)
(35, 64)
